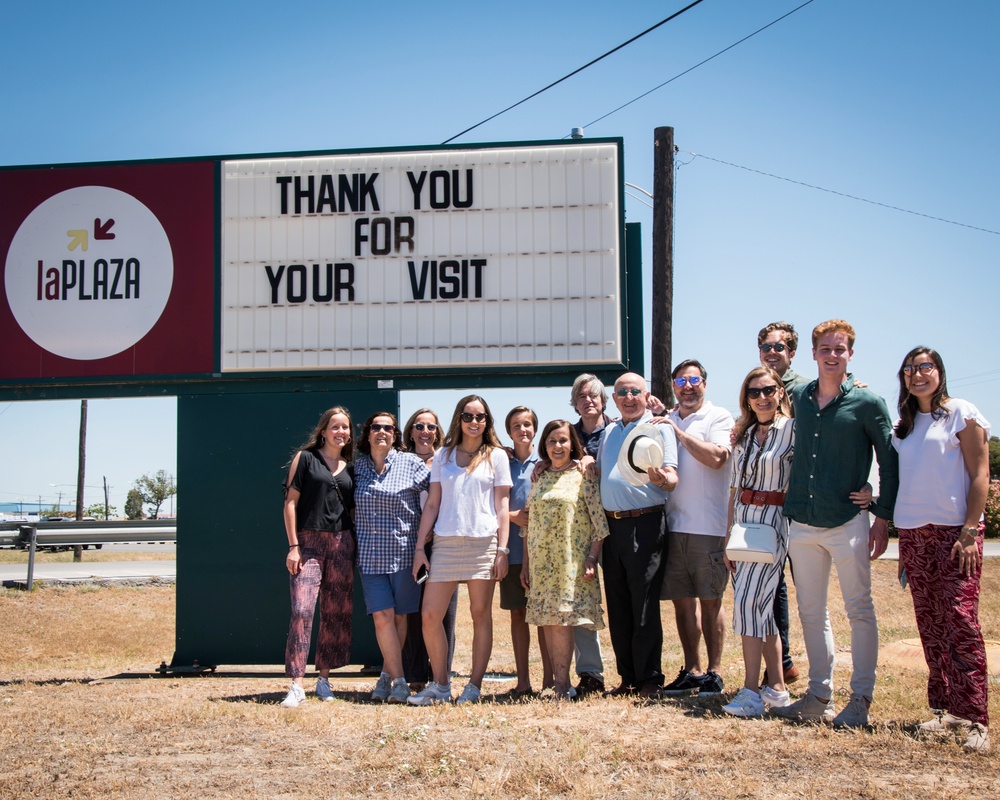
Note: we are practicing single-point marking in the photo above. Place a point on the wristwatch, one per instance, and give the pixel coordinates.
(504, 550)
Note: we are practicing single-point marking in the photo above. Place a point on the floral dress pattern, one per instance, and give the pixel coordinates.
(565, 517)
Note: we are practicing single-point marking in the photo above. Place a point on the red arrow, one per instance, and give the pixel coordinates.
(102, 231)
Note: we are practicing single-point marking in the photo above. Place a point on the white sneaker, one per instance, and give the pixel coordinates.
(854, 714)
(943, 724)
(382, 688)
(747, 703)
(978, 740)
(432, 693)
(808, 708)
(400, 691)
(323, 690)
(295, 696)
(470, 694)
(773, 698)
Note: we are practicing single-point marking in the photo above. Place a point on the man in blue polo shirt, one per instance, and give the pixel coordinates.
(633, 555)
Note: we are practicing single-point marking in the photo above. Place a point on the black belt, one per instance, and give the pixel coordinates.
(634, 512)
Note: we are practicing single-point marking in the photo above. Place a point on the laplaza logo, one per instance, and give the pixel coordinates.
(89, 272)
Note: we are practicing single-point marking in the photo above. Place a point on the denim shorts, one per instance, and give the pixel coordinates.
(395, 590)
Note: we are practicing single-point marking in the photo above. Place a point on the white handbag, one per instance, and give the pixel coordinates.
(752, 541)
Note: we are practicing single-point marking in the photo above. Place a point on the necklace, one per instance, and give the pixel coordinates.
(425, 456)
(331, 461)
(570, 465)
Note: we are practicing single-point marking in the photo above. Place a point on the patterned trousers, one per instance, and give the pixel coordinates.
(946, 604)
(327, 572)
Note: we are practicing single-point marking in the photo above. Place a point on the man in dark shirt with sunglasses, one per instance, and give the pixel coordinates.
(777, 343)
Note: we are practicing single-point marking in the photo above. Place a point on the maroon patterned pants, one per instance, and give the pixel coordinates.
(327, 572)
(946, 604)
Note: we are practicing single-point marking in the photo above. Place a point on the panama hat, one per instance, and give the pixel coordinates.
(642, 449)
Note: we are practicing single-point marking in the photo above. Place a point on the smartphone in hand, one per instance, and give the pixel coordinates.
(422, 574)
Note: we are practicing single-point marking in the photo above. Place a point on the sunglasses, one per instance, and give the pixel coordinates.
(924, 369)
(378, 426)
(467, 417)
(693, 380)
(627, 392)
(767, 347)
(425, 426)
(767, 391)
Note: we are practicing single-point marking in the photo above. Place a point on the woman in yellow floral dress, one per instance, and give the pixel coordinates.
(566, 529)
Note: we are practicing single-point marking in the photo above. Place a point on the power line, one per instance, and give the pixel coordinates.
(579, 69)
(700, 63)
(843, 194)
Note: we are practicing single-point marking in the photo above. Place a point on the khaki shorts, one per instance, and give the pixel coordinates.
(694, 567)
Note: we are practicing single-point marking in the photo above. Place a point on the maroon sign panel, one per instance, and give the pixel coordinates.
(107, 271)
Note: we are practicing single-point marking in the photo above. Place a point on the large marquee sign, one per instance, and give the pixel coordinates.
(401, 260)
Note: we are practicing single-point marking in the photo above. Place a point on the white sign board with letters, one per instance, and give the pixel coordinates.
(488, 256)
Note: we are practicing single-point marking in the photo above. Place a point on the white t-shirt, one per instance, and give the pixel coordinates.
(700, 502)
(467, 502)
(933, 480)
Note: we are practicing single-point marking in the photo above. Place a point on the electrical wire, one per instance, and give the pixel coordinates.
(700, 63)
(843, 194)
(579, 69)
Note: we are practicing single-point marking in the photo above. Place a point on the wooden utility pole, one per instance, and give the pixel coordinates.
(661, 345)
(80, 473)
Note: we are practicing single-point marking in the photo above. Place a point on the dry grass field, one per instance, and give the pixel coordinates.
(83, 715)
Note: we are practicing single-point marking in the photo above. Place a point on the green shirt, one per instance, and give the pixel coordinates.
(833, 455)
(791, 379)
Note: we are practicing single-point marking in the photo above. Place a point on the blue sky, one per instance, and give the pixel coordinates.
(896, 102)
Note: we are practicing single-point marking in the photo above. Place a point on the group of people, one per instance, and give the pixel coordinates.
(654, 497)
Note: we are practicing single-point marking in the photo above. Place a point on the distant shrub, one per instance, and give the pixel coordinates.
(993, 511)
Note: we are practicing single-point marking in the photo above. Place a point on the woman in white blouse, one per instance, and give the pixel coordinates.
(467, 509)
(943, 483)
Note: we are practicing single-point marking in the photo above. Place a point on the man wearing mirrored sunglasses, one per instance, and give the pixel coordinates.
(696, 576)
(633, 555)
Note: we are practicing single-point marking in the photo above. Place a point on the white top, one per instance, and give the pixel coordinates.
(467, 503)
(700, 502)
(933, 480)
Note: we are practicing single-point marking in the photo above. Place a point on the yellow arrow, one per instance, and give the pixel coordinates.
(77, 238)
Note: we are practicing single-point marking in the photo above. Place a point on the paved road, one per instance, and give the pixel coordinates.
(125, 571)
(91, 572)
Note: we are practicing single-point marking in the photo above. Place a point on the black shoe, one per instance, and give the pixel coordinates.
(588, 685)
(709, 684)
(684, 684)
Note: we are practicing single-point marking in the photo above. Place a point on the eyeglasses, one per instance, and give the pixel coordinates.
(467, 417)
(693, 380)
(627, 392)
(425, 426)
(767, 391)
(924, 369)
(778, 347)
(378, 426)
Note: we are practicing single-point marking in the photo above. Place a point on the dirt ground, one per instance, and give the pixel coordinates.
(83, 714)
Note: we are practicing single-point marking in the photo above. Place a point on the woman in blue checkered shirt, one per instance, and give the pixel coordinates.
(387, 487)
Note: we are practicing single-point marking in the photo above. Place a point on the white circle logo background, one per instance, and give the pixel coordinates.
(81, 328)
